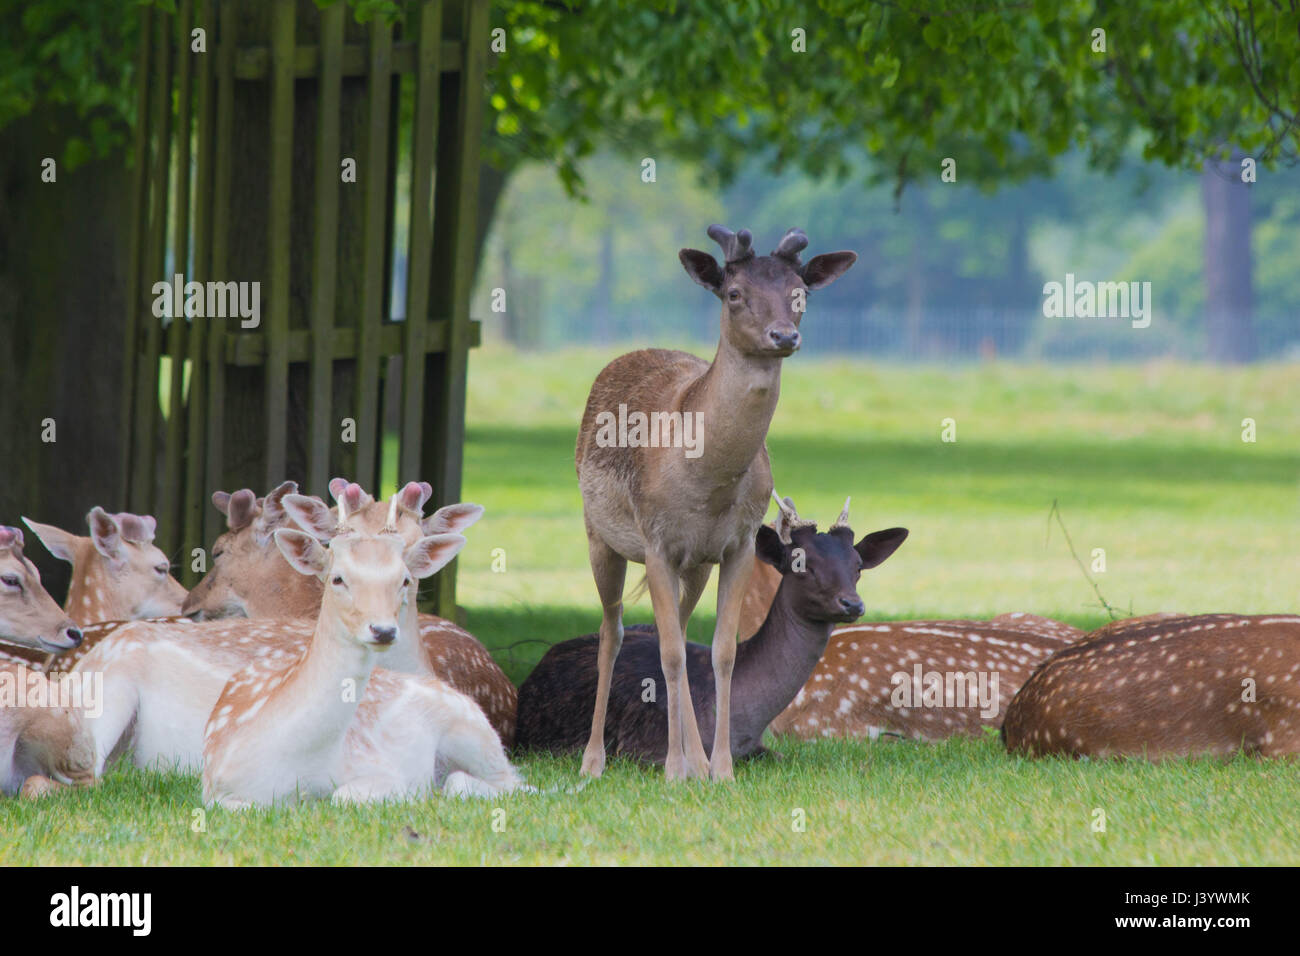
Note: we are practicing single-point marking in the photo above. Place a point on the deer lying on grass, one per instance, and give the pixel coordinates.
(925, 680)
(679, 510)
(1206, 684)
(161, 680)
(819, 574)
(117, 573)
(36, 742)
(250, 577)
(866, 683)
(328, 722)
(44, 744)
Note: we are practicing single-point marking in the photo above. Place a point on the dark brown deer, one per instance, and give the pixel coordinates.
(1207, 684)
(688, 488)
(816, 591)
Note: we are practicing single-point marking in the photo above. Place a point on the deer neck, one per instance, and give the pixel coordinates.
(320, 696)
(407, 655)
(773, 665)
(90, 593)
(734, 401)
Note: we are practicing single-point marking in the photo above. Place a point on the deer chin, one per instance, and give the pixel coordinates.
(227, 610)
(56, 645)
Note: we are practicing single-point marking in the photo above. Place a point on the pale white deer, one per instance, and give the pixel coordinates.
(249, 577)
(328, 723)
(689, 488)
(162, 679)
(118, 574)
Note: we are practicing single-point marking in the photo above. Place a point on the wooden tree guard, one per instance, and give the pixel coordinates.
(184, 377)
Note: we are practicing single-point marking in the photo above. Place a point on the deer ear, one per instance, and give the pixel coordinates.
(62, 544)
(273, 512)
(429, 555)
(879, 545)
(221, 501)
(243, 506)
(769, 548)
(822, 270)
(703, 268)
(105, 533)
(451, 518)
(311, 515)
(304, 553)
(138, 528)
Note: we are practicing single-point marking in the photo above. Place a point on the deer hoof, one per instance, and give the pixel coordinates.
(36, 787)
(593, 762)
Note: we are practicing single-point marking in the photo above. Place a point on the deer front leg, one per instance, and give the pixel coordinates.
(685, 757)
(733, 579)
(609, 568)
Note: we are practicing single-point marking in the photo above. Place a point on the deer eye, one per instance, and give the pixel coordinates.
(733, 294)
(406, 583)
(338, 580)
(11, 580)
(162, 568)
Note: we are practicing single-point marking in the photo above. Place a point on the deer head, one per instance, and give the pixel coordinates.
(369, 580)
(118, 574)
(762, 296)
(821, 570)
(248, 577)
(28, 615)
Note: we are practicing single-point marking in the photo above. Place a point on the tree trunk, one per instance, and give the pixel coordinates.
(63, 253)
(1230, 331)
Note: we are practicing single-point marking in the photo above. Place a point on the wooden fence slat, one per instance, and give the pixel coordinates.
(254, 63)
(147, 411)
(283, 26)
(216, 397)
(193, 498)
(320, 423)
(134, 282)
(375, 240)
(460, 130)
(168, 508)
(423, 159)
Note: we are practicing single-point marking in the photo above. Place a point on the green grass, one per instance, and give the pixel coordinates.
(1146, 462)
(961, 802)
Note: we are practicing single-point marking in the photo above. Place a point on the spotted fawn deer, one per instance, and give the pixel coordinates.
(674, 474)
(1160, 686)
(817, 589)
(328, 723)
(249, 577)
(45, 743)
(161, 680)
(118, 574)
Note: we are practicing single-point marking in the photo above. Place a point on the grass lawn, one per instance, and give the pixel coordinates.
(1147, 462)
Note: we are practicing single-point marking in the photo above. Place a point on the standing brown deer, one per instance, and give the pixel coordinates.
(655, 491)
(1158, 686)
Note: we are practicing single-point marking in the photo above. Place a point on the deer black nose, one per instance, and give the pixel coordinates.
(852, 606)
(383, 635)
(784, 339)
(74, 635)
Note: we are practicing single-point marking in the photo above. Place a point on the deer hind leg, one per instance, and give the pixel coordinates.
(471, 749)
(609, 568)
(733, 579)
(685, 757)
